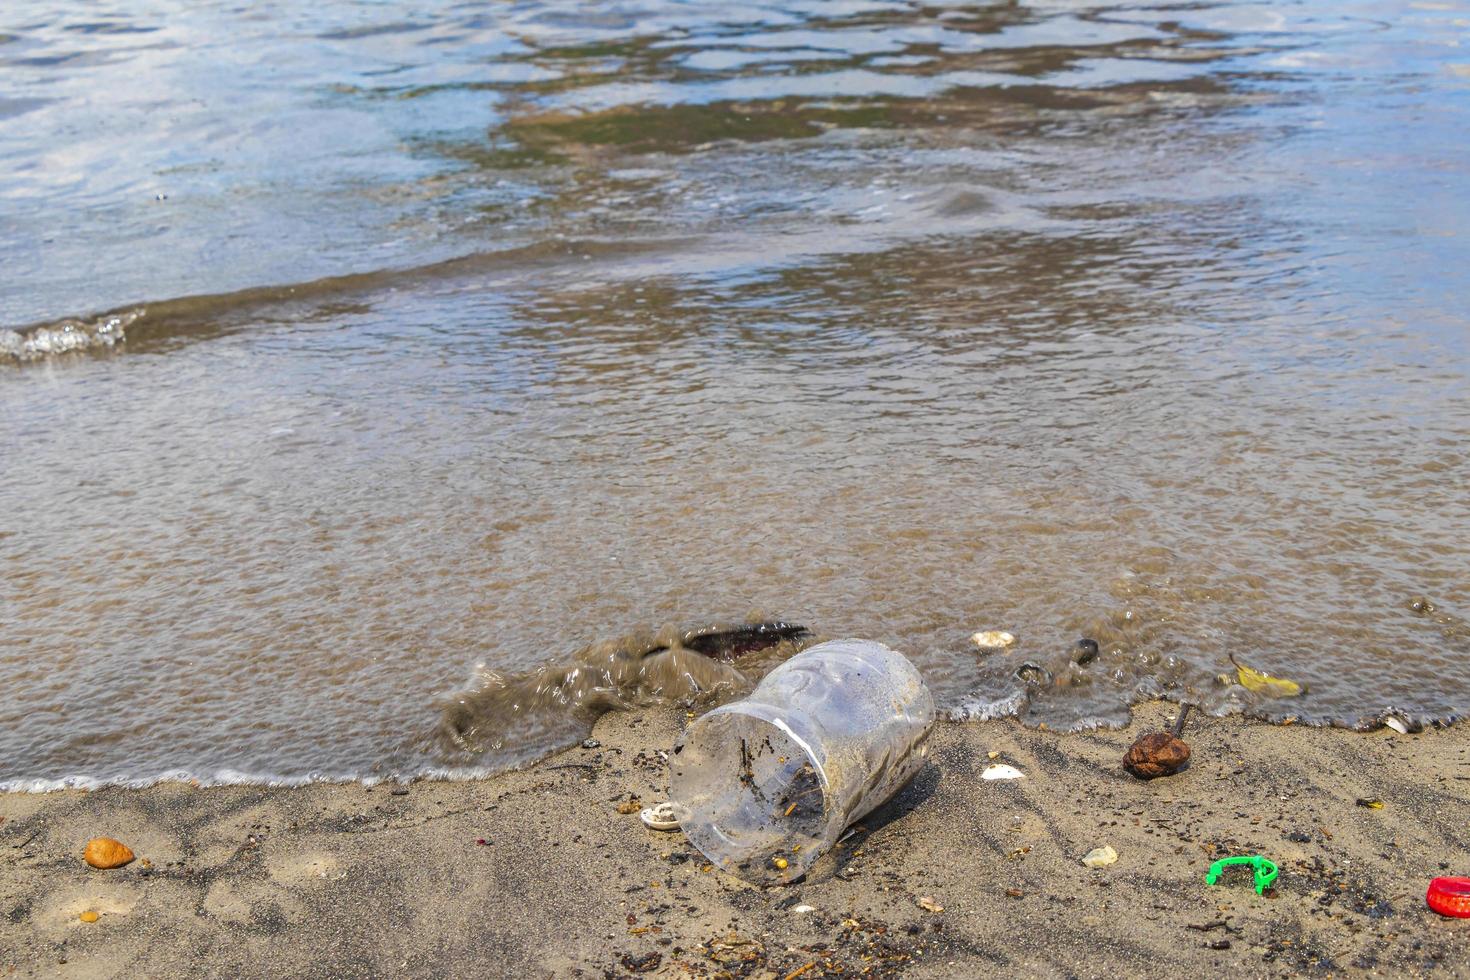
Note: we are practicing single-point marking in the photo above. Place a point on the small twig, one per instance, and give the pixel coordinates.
(574, 765)
(799, 971)
(1179, 722)
(27, 840)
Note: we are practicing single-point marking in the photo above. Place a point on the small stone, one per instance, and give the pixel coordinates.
(1084, 651)
(1156, 754)
(591, 743)
(929, 905)
(992, 639)
(398, 791)
(104, 852)
(1015, 893)
(1100, 857)
(992, 755)
(630, 806)
(89, 916)
(803, 909)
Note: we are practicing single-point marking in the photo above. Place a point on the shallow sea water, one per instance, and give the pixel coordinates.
(357, 355)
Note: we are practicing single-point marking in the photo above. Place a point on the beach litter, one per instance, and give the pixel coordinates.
(1370, 804)
(992, 639)
(765, 785)
(1258, 682)
(1002, 771)
(106, 853)
(1450, 896)
(1100, 857)
(1159, 753)
(1265, 870)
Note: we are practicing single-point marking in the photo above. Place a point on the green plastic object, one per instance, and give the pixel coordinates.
(1265, 870)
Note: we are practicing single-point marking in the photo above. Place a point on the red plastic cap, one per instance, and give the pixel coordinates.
(1450, 896)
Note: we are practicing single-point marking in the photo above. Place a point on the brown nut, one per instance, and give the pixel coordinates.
(1156, 754)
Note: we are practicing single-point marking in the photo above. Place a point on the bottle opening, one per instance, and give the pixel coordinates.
(753, 799)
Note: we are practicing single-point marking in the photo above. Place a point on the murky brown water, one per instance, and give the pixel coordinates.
(416, 337)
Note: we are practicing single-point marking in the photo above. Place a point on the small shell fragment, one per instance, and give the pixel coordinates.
(1002, 771)
(929, 905)
(660, 816)
(1396, 724)
(1100, 857)
(992, 639)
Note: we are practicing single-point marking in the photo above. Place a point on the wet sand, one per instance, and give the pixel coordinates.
(343, 880)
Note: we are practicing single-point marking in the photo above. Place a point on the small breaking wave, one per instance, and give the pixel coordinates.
(67, 336)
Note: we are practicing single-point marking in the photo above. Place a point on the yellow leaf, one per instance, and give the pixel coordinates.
(1272, 687)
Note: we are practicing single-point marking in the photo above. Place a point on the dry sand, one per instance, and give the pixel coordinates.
(342, 880)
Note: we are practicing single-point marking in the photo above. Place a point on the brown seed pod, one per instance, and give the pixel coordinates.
(1156, 754)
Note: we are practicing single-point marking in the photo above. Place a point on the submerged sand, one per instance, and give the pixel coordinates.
(344, 880)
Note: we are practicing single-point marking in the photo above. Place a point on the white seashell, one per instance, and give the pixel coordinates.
(660, 816)
(1002, 771)
(1396, 725)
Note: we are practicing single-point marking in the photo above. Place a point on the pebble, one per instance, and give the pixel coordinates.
(1100, 857)
(803, 909)
(104, 852)
(591, 743)
(929, 905)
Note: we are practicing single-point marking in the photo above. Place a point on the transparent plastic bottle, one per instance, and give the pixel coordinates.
(763, 786)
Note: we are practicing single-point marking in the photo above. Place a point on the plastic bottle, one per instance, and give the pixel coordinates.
(763, 786)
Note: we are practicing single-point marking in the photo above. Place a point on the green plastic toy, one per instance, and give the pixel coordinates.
(1265, 870)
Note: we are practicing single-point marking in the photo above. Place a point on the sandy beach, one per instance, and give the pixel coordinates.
(536, 873)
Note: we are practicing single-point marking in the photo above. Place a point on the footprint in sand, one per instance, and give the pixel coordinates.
(62, 910)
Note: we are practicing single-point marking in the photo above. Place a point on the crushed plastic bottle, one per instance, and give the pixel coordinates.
(765, 785)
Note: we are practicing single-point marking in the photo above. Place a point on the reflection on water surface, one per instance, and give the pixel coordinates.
(460, 334)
